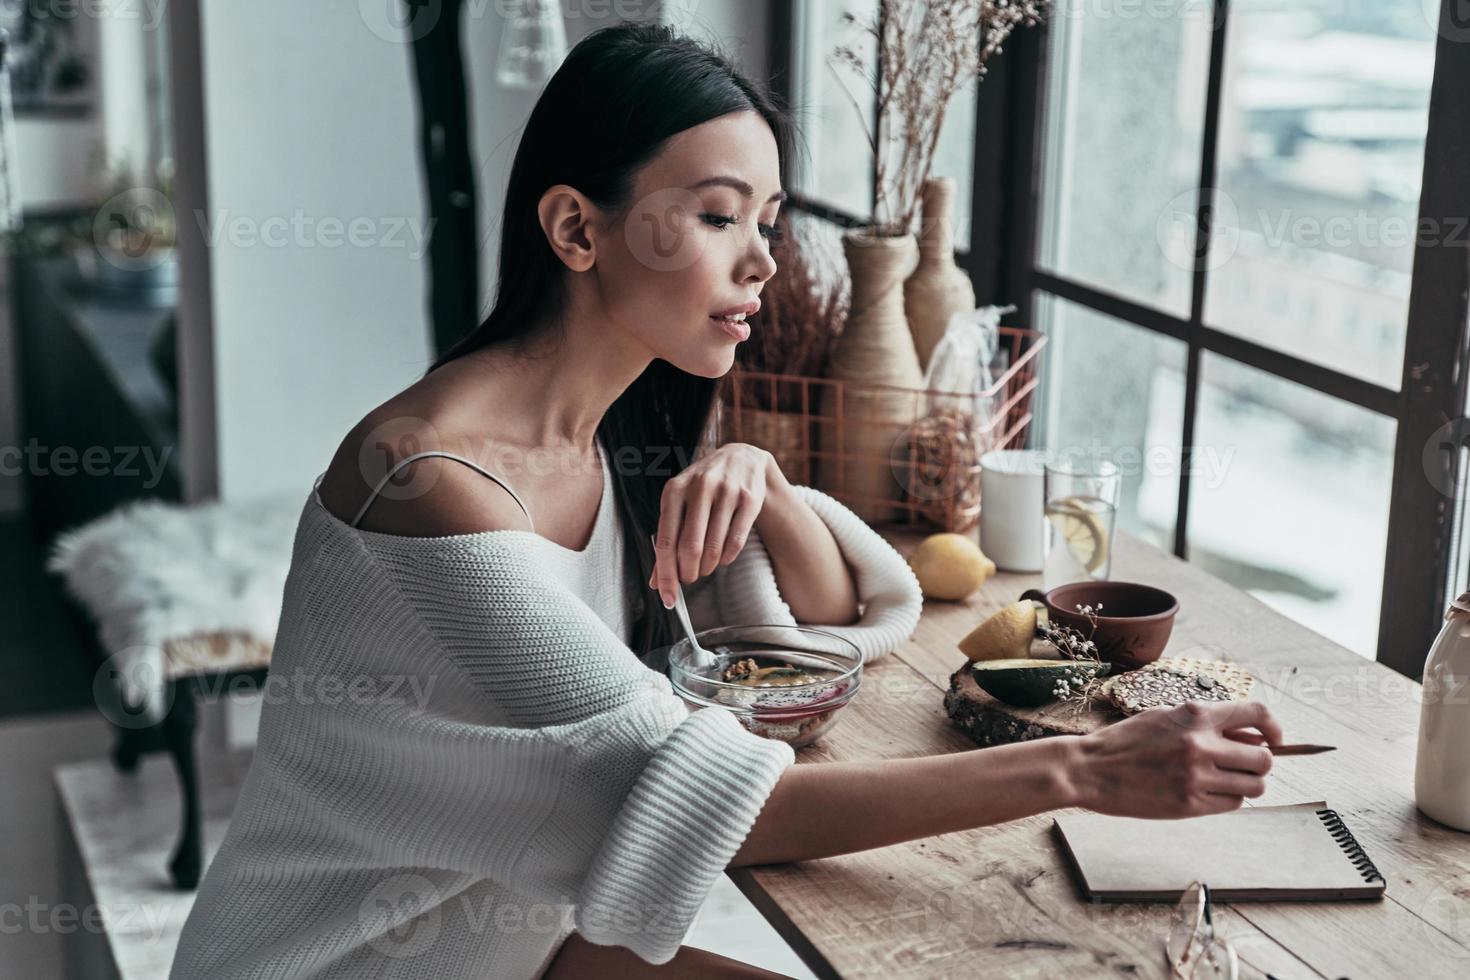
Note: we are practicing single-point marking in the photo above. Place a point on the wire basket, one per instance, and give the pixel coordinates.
(810, 426)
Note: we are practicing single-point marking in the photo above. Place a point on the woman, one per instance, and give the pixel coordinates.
(513, 791)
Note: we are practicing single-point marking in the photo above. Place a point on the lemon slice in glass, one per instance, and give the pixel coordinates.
(1076, 520)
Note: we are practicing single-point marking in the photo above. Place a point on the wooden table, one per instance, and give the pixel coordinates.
(1001, 902)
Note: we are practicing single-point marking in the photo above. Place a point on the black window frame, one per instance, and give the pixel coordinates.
(1004, 263)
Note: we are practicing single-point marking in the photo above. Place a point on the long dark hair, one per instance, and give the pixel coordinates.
(621, 93)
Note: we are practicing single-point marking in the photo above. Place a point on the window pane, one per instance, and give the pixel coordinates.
(1090, 359)
(1124, 110)
(954, 156)
(1321, 153)
(832, 133)
(1295, 510)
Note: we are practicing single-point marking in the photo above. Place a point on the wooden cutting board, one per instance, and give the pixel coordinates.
(991, 722)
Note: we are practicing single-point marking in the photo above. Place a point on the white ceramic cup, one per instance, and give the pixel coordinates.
(1012, 508)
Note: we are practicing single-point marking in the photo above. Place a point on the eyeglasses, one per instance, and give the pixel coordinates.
(1196, 951)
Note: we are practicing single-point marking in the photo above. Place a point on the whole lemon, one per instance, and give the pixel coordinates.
(1005, 635)
(950, 566)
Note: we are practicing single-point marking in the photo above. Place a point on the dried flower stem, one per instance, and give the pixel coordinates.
(1072, 645)
(926, 51)
(804, 308)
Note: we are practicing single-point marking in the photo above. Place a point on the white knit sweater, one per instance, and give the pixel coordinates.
(463, 762)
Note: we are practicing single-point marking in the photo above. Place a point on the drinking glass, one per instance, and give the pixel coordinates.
(1081, 493)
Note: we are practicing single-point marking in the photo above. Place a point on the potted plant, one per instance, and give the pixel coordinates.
(926, 50)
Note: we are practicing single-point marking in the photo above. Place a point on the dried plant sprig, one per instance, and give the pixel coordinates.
(1072, 645)
(1071, 686)
(1068, 640)
(927, 51)
(804, 308)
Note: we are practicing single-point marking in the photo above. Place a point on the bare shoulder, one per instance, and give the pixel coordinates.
(430, 496)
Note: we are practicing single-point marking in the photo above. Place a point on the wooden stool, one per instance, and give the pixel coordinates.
(192, 664)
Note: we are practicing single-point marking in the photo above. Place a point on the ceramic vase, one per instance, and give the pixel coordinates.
(859, 428)
(938, 288)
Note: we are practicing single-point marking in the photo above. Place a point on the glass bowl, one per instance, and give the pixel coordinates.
(751, 679)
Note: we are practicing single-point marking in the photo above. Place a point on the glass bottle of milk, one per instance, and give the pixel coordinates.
(1442, 767)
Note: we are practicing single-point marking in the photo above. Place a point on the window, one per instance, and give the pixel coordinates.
(1124, 111)
(955, 157)
(834, 143)
(1321, 148)
(1236, 224)
(1306, 123)
(1289, 499)
(838, 172)
(1140, 434)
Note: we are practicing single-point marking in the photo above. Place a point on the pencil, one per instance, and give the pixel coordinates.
(1302, 749)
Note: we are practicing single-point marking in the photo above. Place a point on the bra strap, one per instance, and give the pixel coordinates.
(435, 452)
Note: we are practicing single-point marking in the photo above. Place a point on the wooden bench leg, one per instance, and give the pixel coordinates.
(178, 731)
(130, 744)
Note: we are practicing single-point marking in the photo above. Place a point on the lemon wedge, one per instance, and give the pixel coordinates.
(1005, 635)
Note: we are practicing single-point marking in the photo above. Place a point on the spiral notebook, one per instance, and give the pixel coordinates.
(1302, 852)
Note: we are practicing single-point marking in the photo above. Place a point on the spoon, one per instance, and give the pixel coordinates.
(702, 658)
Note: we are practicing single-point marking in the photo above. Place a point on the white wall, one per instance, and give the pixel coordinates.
(126, 40)
(736, 28)
(310, 132)
(498, 115)
(290, 332)
(54, 154)
(497, 118)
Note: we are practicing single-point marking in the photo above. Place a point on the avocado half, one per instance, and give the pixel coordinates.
(1030, 683)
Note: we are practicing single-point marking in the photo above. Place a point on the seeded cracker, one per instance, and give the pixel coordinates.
(1173, 680)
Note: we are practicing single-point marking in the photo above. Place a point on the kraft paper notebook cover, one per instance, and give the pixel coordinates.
(1302, 852)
